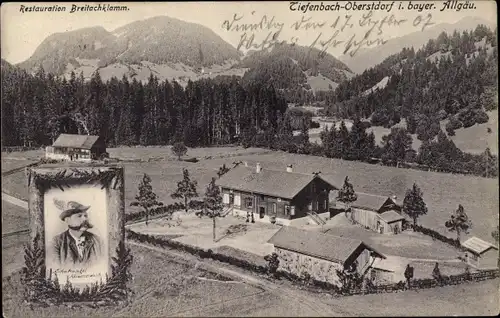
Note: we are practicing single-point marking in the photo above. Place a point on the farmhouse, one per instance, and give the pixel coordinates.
(321, 255)
(275, 196)
(76, 148)
(481, 254)
(378, 213)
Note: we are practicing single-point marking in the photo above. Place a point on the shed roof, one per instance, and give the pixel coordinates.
(316, 244)
(276, 183)
(391, 216)
(477, 245)
(371, 202)
(75, 141)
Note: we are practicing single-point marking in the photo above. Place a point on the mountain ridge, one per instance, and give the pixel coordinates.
(369, 57)
(158, 40)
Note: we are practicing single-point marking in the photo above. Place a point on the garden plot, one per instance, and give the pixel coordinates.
(198, 232)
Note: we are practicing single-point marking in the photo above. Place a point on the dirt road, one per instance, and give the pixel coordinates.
(314, 306)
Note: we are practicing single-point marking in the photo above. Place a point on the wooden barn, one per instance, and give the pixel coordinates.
(481, 254)
(378, 213)
(321, 255)
(275, 196)
(76, 148)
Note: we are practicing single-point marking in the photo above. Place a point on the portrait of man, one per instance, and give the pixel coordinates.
(76, 246)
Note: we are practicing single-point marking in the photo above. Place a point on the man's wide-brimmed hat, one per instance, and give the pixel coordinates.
(70, 208)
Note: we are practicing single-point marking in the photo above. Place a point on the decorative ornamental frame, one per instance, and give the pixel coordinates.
(41, 288)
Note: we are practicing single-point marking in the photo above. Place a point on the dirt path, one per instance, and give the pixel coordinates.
(20, 203)
(314, 304)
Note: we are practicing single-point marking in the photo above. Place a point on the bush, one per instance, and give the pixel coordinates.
(438, 236)
(454, 123)
(365, 124)
(314, 124)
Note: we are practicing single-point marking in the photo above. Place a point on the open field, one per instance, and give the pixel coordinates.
(13, 253)
(14, 218)
(10, 164)
(442, 192)
(481, 299)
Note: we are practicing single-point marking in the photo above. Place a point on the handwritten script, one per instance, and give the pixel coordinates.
(341, 31)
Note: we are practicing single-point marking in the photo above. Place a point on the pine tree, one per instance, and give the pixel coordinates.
(347, 195)
(212, 203)
(396, 145)
(179, 149)
(495, 234)
(358, 140)
(146, 198)
(459, 222)
(186, 189)
(343, 142)
(413, 203)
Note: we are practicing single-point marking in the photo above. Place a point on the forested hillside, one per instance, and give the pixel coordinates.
(289, 67)
(453, 77)
(37, 108)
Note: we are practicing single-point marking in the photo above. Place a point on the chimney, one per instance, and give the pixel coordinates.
(258, 168)
(394, 198)
(289, 168)
(245, 163)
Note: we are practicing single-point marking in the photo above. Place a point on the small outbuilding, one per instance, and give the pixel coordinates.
(320, 255)
(378, 213)
(481, 254)
(76, 148)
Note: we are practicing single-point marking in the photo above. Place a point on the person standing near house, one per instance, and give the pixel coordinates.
(408, 275)
(436, 273)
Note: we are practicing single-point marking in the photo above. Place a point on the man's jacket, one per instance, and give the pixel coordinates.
(67, 252)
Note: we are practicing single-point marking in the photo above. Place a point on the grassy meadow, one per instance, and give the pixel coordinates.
(442, 191)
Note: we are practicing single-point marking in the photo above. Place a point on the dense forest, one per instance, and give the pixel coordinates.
(452, 77)
(37, 108)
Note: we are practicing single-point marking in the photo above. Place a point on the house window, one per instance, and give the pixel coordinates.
(292, 212)
(287, 210)
(313, 187)
(262, 197)
(249, 203)
(274, 208)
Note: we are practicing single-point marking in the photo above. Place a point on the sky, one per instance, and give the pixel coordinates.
(23, 32)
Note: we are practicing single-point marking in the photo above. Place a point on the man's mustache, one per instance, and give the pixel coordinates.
(85, 224)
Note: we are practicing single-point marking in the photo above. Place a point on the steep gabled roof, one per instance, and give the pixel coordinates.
(276, 183)
(477, 245)
(75, 141)
(391, 216)
(371, 202)
(316, 244)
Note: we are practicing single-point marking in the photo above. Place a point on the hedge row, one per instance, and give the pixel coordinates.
(167, 209)
(169, 243)
(438, 236)
(306, 279)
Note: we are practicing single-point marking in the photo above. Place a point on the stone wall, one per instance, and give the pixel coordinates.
(298, 264)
